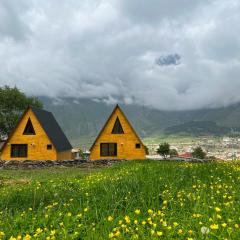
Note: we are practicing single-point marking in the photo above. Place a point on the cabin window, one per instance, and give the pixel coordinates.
(29, 130)
(19, 150)
(108, 149)
(138, 145)
(117, 128)
(49, 147)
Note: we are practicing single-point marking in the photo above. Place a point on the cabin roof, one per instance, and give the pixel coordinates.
(106, 123)
(52, 129)
(2, 144)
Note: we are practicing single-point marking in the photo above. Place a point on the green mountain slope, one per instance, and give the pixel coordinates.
(198, 128)
(82, 119)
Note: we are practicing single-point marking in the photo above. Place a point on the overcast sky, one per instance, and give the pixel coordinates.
(164, 54)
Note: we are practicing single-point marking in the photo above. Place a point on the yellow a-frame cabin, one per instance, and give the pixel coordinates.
(117, 140)
(37, 136)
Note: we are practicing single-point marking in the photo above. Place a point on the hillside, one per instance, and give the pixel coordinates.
(82, 119)
(198, 128)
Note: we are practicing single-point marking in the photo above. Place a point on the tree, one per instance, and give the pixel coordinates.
(199, 153)
(173, 153)
(164, 150)
(12, 104)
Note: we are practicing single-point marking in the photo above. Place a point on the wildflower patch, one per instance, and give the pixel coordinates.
(130, 200)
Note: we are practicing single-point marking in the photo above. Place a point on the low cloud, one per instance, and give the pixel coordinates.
(167, 55)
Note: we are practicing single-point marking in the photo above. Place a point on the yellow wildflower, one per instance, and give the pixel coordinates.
(39, 230)
(217, 209)
(27, 237)
(117, 234)
(127, 219)
(150, 211)
(159, 233)
(180, 231)
(214, 226)
(137, 211)
(111, 235)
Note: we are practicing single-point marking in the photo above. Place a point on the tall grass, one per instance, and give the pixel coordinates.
(131, 200)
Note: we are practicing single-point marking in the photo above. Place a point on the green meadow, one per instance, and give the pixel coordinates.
(130, 200)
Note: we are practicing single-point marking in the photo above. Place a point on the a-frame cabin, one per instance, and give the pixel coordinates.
(37, 136)
(117, 140)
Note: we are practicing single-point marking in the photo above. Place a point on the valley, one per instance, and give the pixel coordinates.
(82, 119)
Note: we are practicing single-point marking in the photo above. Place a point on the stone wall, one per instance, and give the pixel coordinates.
(32, 164)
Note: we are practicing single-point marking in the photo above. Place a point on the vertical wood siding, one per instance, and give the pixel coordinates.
(37, 144)
(125, 142)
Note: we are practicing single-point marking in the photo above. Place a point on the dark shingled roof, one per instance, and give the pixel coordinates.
(52, 129)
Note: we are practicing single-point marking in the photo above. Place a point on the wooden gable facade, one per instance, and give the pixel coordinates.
(37, 136)
(117, 140)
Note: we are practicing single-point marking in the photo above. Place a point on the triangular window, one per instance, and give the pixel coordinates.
(29, 130)
(117, 128)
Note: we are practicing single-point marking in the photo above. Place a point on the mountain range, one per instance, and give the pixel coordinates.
(82, 119)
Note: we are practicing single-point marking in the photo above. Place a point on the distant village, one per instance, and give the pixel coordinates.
(221, 148)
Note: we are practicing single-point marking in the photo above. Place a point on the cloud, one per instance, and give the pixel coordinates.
(11, 22)
(151, 12)
(163, 54)
(170, 59)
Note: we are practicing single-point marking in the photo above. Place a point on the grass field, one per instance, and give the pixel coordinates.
(130, 200)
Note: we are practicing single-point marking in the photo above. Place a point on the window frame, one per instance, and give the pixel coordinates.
(29, 121)
(138, 145)
(19, 152)
(109, 151)
(49, 147)
(117, 127)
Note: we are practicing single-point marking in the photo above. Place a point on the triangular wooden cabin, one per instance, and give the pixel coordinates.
(37, 136)
(117, 140)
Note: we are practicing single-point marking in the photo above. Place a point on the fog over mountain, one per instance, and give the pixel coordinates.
(167, 55)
